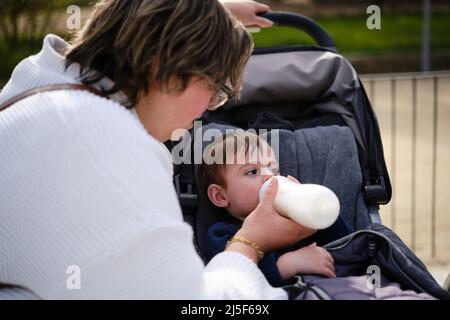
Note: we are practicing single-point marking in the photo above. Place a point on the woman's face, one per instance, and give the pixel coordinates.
(161, 113)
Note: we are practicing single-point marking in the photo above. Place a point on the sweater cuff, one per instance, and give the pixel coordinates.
(237, 277)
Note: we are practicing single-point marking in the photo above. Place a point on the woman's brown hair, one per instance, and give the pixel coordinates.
(126, 40)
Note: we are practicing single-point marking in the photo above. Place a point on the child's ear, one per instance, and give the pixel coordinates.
(217, 195)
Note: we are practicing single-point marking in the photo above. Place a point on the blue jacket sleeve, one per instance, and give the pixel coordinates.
(217, 237)
(268, 266)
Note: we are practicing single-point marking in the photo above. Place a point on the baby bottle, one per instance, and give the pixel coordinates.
(311, 205)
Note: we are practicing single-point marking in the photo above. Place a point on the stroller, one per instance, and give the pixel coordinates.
(328, 135)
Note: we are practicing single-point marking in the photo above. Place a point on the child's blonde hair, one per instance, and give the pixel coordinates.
(233, 148)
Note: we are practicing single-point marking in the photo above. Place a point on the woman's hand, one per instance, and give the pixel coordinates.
(308, 260)
(269, 230)
(293, 179)
(246, 11)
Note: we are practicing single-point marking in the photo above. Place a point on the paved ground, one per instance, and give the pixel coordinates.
(439, 271)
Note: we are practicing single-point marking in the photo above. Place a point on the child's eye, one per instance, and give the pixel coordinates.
(252, 172)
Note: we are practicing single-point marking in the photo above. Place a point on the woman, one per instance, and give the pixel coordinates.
(88, 206)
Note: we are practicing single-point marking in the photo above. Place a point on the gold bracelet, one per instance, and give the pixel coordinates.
(258, 250)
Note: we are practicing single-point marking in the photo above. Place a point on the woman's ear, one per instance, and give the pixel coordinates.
(217, 195)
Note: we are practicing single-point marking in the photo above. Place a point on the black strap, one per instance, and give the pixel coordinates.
(53, 87)
(301, 286)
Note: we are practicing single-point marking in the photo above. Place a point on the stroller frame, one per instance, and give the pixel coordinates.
(354, 111)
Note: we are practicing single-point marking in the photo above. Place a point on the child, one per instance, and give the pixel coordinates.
(233, 183)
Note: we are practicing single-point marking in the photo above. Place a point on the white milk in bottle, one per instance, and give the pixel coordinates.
(311, 205)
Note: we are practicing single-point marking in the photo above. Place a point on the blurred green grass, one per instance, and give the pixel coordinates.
(398, 34)
(10, 55)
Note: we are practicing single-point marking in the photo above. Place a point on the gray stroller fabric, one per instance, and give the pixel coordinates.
(402, 275)
(311, 88)
(409, 264)
(359, 288)
(301, 76)
(327, 156)
(325, 81)
(323, 155)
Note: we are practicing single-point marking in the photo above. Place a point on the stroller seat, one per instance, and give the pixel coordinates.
(328, 155)
(325, 155)
(328, 135)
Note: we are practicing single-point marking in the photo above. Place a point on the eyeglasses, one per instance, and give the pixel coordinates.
(223, 94)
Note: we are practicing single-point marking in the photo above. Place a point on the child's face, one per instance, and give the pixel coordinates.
(243, 182)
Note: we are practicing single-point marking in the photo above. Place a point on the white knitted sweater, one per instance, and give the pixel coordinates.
(87, 205)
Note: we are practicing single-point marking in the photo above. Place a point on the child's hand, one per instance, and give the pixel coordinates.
(308, 260)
